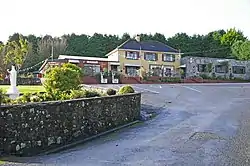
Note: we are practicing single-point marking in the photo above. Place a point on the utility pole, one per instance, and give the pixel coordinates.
(52, 51)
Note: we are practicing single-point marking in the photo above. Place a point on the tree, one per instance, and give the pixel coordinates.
(125, 37)
(2, 68)
(231, 36)
(16, 52)
(215, 44)
(241, 50)
(62, 78)
(160, 37)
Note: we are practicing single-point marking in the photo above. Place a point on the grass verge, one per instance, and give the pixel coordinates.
(25, 88)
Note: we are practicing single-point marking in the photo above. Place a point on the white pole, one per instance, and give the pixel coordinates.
(140, 61)
(52, 52)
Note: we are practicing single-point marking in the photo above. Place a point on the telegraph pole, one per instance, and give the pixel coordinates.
(52, 51)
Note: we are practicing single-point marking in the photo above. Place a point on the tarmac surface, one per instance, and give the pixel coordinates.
(197, 125)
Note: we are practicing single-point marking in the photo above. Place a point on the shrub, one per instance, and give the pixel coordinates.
(3, 97)
(26, 97)
(73, 67)
(75, 94)
(204, 76)
(111, 91)
(171, 79)
(35, 98)
(126, 89)
(64, 78)
(92, 93)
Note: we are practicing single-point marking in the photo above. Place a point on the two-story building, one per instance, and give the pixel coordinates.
(152, 56)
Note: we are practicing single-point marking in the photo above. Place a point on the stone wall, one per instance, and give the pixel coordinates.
(32, 128)
(193, 62)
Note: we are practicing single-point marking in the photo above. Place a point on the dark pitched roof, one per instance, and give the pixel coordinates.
(147, 46)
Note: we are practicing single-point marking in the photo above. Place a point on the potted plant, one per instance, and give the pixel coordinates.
(104, 76)
(115, 77)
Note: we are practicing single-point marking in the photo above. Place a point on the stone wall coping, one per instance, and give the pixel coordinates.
(65, 101)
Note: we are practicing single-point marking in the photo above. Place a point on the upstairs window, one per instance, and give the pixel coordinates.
(149, 56)
(239, 69)
(168, 58)
(132, 55)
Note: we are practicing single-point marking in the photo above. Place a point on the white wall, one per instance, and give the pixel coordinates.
(114, 57)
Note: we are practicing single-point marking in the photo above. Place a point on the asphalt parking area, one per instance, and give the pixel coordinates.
(200, 125)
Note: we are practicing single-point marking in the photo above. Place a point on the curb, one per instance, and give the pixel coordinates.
(87, 139)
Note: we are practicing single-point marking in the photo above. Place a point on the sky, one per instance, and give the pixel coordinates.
(58, 17)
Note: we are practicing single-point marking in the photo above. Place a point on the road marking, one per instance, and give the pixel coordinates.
(191, 88)
(155, 86)
(147, 90)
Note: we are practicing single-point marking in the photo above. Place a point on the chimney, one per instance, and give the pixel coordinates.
(138, 38)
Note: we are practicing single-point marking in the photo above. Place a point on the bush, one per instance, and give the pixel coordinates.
(41, 97)
(64, 78)
(171, 79)
(126, 89)
(111, 92)
(204, 76)
(92, 93)
(4, 98)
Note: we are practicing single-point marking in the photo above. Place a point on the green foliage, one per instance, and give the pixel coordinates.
(171, 79)
(209, 67)
(126, 89)
(98, 45)
(75, 94)
(73, 67)
(16, 52)
(3, 97)
(111, 91)
(241, 50)
(117, 75)
(63, 78)
(204, 76)
(41, 97)
(92, 93)
(232, 36)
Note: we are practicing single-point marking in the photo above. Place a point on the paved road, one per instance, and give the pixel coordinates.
(200, 125)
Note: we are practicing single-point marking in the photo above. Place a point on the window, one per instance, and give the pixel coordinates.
(155, 70)
(132, 55)
(168, 58)
(221, 69)
(90, 69)
(150, 56)
(202, 67)
(132, 70)
(239, 69)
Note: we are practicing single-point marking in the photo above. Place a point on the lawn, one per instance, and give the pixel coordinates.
(25, 88)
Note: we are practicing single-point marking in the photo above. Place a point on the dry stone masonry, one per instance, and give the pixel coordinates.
(192, 67)
(33, 128)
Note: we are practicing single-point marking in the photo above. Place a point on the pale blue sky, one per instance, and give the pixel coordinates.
(58, 17)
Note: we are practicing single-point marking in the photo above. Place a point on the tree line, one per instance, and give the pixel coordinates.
(29, 50)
